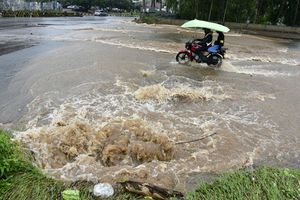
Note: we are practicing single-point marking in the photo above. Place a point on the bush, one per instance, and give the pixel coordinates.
(149, 19)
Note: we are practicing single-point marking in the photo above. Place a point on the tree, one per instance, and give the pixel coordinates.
(172, 5)
(256, 11)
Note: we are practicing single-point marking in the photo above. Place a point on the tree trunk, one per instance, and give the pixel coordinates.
(225, 10)
(196, 9)
(256, 12)
(161, 4)
(296, 13)
(153, 4)
(143, 9)
(211, 6)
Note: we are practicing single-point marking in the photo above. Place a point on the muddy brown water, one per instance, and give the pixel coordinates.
(103, 99)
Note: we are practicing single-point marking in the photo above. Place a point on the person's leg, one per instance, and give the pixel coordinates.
(199, 49)
(214, 48)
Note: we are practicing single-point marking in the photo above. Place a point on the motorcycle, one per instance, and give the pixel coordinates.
(189, 54)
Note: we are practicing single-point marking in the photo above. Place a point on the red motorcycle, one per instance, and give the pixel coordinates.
(189, 54)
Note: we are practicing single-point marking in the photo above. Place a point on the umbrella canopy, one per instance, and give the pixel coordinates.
(204, 24)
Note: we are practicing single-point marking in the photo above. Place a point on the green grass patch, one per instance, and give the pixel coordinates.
(20, 179)
(263, 183)
(149, 19)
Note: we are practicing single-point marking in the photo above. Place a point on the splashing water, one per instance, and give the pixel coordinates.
(160, 93)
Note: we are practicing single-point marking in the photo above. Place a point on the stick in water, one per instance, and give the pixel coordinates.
(184, 142)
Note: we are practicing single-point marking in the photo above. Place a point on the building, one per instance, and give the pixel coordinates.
(151, 5)
(24, 5)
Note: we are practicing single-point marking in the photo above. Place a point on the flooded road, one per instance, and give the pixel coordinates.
(103, 99)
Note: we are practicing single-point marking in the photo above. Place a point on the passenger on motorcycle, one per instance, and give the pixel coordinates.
(218, 43)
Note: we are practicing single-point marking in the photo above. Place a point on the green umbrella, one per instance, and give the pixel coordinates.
(204, 24)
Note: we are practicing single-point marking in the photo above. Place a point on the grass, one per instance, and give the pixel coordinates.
(19, 179)
(263, 183)
(149, 19)
(32, 185)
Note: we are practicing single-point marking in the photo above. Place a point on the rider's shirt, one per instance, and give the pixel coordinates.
(207, 40)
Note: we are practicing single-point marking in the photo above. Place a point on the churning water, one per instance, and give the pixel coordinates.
(103, 99)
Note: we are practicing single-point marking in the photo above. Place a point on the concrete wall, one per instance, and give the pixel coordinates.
(267, 30)
(260, 27)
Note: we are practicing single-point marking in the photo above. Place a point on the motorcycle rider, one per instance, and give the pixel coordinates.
(204, 43)
(206, 40)
(218, 43)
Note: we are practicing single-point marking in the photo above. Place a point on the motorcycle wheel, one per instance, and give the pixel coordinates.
(216, 61)
(182, 58)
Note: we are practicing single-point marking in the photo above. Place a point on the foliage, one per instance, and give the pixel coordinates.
(37, 13)
(121, 4)
(255, 11)
(263, 183)
(149, 19)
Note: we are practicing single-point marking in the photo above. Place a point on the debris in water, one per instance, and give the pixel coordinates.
(146, 73)
(151, 190)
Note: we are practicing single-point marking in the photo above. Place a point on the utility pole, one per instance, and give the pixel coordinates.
(211, 6)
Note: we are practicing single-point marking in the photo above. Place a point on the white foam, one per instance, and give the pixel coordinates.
(265, 72)
(283, 50)
(254, 70)
(266, 59)
(136, 46)
(228, 67)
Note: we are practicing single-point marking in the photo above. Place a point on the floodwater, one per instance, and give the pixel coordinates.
(103, 99)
